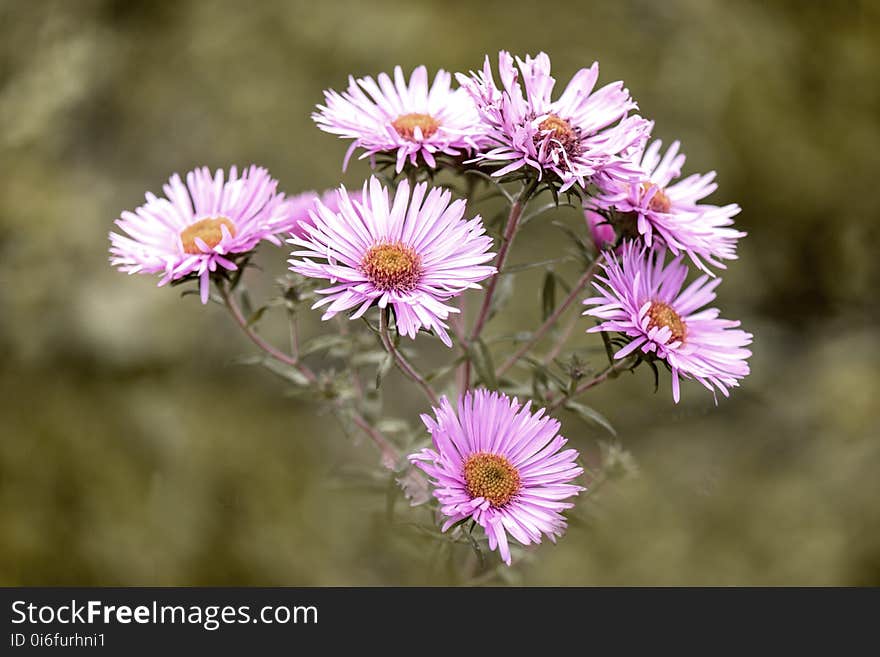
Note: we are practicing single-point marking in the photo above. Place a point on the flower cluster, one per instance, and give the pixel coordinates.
(401, 250)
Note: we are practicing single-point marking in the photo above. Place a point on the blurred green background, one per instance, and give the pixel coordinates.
(132, 450)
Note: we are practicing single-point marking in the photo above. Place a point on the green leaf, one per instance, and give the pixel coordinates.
(257, 315)
(543, 379)
(582, 250)
(383, 369)
(590, 414)
(392, 425)
(503, 294)
(548, 295)
(546, 374)
(247, 308)
(182, 280)
(374, 329)
(548, 207)
(481, 560)
(446, 369)
(482, 360)
(371, 357)
(322, 342)
(235, 279)
(286, 372)
(573, 236)
(656, 372)
(515, 269)
(609, 350)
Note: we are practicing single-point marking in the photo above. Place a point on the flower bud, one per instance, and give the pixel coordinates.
(601, 231)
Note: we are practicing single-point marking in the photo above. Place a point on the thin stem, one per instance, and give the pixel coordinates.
(356, 382)
(456, 322)
(516, 210)
(390, 454)
(272, 351)
(590, 383)
(554, 316)
(400, 360)
(561, 340)
(294, 334)
(464, 371)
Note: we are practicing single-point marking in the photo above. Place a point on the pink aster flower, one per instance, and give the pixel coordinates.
(299, 207)
(410, 120)
(574, 137)
(673, 212)
(201, 225)
(641, 297)
(500, 464)
(413, 252)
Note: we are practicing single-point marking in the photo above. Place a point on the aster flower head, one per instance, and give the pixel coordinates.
(495, 461)
(411, 121)
(412, 252)
(201, 225)
(574, 137)
(641, 296)
(672, 212)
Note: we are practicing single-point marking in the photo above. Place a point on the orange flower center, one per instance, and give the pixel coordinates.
(392, 267)
(662, 314)
(210, 232)
(492, 477)
(659, 202)
(406, 125)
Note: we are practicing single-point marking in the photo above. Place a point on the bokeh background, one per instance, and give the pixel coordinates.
(134, 451)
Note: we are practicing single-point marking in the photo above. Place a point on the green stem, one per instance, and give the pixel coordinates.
(554, 316)
(400, 360)
(516, 210)
(389, 453)
(601, 377)
(277, 354)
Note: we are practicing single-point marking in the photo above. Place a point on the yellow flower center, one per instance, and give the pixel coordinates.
(561, 131)
(492, 477)
(210, 232)
(560, 127)
(659, 202)
(662, 314)
(406, 125)
(392, 267)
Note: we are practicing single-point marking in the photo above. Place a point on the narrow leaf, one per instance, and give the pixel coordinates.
(247, 308)
(383, 369)
(548, 295)
(285, 372)
(503, 294)
(323, 342)
(482, 360)
(590, 414)
(257, 315)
